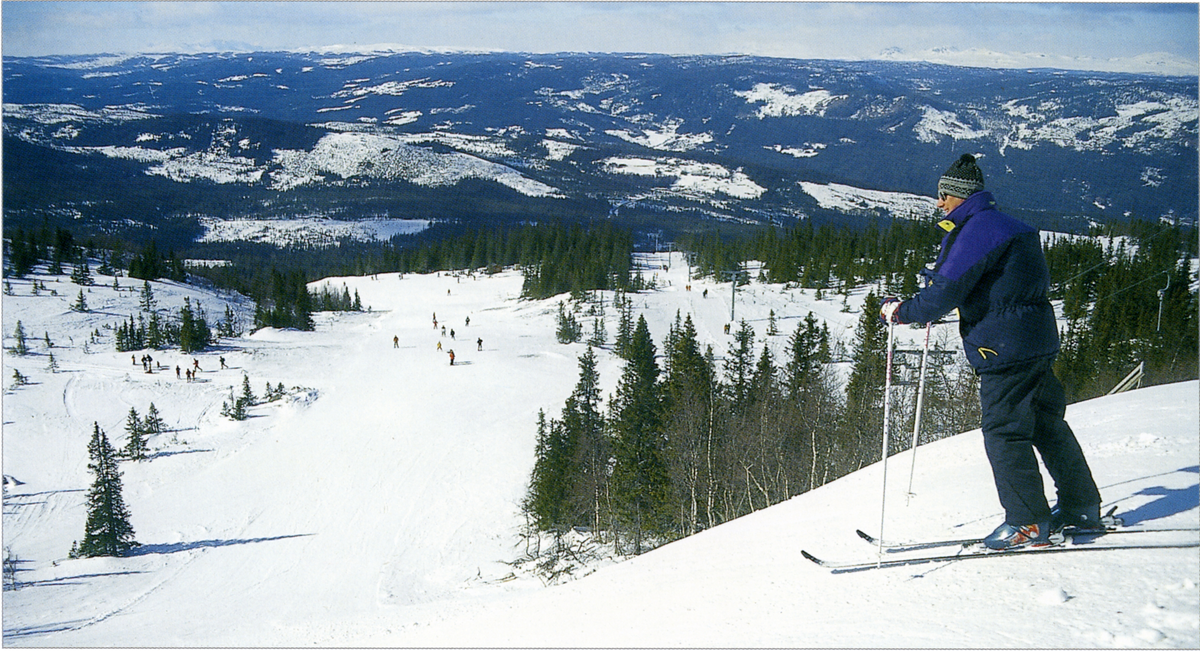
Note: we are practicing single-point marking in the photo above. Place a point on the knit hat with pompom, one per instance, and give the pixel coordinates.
(963, 179)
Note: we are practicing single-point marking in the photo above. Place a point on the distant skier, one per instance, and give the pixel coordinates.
(480, 342)
(223, 363)
(396, 341)
(451, 333)
(468, 322)
(176, 371)
(452, 357)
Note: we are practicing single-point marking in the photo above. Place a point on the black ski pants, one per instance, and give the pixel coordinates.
(1023, 408)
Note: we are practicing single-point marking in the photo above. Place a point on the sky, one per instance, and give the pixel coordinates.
(1131, 37)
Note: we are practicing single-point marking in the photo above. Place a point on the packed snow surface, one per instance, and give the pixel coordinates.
(376, 504)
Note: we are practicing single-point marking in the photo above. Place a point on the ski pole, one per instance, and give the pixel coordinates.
(887, 415)
(917, 422)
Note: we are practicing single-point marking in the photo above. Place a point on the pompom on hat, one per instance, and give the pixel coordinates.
(963, 179)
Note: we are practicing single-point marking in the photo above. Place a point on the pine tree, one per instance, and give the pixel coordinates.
(599, 335)
(82, 274)
(22, 347)
(19, 380)
(624, 324)
(146, 300)
(739, 366)
(247, 398)
(152, 424)
(108, 531)
(80, 304)
(569, 330)
(688, 393)
(194, 334)
(641, 485)
(135, 448)
(584, 426)
(863, 421)
(548, 499)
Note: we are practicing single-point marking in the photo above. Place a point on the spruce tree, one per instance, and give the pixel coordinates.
(863, 422)
(82, 274)
(135, 448)
(146, 299)
(152, 424)
(108, 531)
(194, 334)
(22, 346)
(247, 398)
(641, 484)
(739, 366)
(688, 393)
(80, 304)
(584, 425)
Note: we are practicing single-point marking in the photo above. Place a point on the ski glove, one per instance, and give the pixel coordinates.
(887, 311)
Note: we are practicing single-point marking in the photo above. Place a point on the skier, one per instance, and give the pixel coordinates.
(396, 341)
(480, 343)
(452, 357)
(223, 363)
(992, 269)
(176, 371)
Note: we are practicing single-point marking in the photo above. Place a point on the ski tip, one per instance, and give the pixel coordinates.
(811, 557)
(865, 536)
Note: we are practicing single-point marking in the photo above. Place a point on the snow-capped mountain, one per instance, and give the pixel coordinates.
(667, 142)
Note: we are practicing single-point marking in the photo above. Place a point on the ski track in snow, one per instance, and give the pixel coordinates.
(377, 503)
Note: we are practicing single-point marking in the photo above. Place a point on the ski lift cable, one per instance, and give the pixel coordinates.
(1104, 262)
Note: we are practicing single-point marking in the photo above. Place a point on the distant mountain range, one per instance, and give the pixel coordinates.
(171, 145)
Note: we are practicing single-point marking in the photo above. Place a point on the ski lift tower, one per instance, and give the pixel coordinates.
(734, 276)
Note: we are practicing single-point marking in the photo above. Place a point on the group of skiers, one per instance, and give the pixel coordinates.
(190, 373)
(444, 332)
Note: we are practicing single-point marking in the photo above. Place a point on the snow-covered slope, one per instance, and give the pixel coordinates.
(376, 505)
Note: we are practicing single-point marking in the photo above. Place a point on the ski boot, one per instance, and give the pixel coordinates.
(1007, 536)
(1077, 520)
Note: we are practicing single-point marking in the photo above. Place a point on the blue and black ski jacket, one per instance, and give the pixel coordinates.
(992, 269)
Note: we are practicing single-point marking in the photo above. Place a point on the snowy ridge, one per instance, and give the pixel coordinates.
(691, 178)
(780, 101)
(377, 504)
(312, 232)
(863, 201)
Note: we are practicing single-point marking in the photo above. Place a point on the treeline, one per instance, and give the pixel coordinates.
(826, 258)
(688, 442)
(1130, 301)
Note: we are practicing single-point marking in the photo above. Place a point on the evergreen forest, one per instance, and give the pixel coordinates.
(693, 436)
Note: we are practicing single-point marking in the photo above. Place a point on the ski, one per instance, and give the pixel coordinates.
(974, 553)
(1111, 523)
(902, 547)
